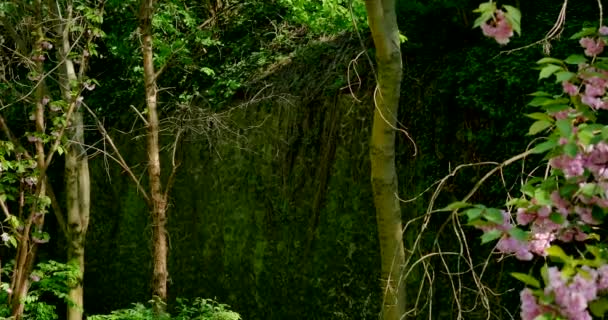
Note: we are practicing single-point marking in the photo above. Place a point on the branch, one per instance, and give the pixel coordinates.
(54, 202)
(121, 161)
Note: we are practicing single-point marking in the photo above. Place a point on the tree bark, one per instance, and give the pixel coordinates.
(385, 32)
(158, 201)
(77, 180)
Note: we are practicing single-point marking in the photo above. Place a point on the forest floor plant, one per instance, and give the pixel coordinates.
(197, 309)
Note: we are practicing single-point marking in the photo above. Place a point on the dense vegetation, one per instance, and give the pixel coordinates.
(265, 114)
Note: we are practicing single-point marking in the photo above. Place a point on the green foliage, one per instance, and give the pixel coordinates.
(203, 309)
(198, 309)
(327, 16)
(48, 279)
(137, 312)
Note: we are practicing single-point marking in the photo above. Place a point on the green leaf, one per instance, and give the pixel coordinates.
(494, 215)
(540, 101)
(571, 149)
(588, 189)
(518, 202)
(514, 17)
(548, 70)
(599, 307)
(598, 213)
(564, 76)
(13, 241)
(583, 33)
(556, 217)
(585, 136)
(490, 236)
(605, 133)
(548, 60)
(473, 213)
(558, 252)
(489, 6)
(540, 116)
(208, 71)
(527, 279)
(542, 197)
(518, 234)
(576, 59)
(544, 147)
(539, 126)
(540, 94)
(565, 127)
(455, 206)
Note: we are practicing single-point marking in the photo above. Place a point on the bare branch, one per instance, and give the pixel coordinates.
(120, 160)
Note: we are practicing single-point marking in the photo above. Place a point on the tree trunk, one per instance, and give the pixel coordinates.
(385, 33)
(78, 191)
(77, 204)
(158, 201)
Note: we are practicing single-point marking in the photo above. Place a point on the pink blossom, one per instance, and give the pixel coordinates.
(524, 217)
(529, 306)
(571, 167)
(498, 28)
(562, 205)
(602, 283)
(570, 88)
(594, 102)
(540, 242)
(595, 91)
(598, 81)
(603, 30)
(585, 215)
(508, 244)
(592, 47)
(561, 114)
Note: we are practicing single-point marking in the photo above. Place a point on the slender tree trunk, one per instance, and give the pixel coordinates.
(78, 191)
(385, 32)
(78, 203)
(158, 201)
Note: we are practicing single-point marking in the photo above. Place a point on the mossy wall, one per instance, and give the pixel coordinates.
(273, 217)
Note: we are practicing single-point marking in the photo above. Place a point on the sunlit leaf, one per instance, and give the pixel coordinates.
(491, 236)
(548, 70)
(455, 206)
(548, 60)
(544, 146)
(539, 126)
(576, 59)
(527, 279)
(494, 215)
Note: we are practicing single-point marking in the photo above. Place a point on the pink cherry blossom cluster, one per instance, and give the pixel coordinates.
(508, 244)
(570, 297)
(498, 28)
(568, 208)
(572, 214)
(595, 83)
(594, 46)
